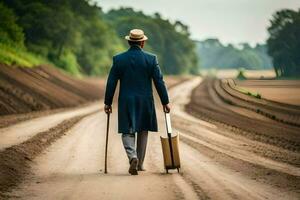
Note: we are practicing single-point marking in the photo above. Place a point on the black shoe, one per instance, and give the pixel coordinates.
(133, 166)
(140, 168)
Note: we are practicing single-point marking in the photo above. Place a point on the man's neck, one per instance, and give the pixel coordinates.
(136, 46)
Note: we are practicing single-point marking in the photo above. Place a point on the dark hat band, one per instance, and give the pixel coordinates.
(136, 38)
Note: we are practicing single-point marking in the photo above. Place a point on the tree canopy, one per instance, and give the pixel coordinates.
(10, 31)
(72, 34)
(79, 37)
(284, 42)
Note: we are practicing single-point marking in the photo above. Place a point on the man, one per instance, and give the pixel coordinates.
(135, 69)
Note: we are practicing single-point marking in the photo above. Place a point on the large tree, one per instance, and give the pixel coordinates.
(284, 42)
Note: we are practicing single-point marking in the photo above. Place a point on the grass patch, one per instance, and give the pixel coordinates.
(244, 91)
(10, 55)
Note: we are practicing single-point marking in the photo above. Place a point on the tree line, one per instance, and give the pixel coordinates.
(214, 54)
(79, 37)
(176, 51)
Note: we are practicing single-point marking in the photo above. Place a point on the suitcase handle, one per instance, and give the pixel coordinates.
(169, 132)
(168, 123)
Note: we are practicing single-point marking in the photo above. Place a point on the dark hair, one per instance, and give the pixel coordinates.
(135, 43)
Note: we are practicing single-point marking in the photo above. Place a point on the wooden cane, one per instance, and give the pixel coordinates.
(107, 131)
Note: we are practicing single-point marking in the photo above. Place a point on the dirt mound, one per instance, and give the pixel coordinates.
(274, 90)
(24, 90)
(230, 92)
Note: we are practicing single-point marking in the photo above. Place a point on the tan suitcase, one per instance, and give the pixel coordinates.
(170, 147)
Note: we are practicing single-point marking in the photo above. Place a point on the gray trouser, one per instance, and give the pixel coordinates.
(140, 150)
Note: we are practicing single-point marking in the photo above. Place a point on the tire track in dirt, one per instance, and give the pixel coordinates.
(15, 161)
(23, 131)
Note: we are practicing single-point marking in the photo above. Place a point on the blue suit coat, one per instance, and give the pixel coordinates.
(135, 69)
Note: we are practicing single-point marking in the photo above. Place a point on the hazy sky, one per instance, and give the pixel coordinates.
(231, 21)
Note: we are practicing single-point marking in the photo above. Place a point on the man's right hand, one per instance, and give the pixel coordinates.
(166, 108)
(107, 109)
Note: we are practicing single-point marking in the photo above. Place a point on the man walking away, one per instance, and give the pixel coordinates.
(135, 69)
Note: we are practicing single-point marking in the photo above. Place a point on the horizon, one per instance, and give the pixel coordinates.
(252, 29)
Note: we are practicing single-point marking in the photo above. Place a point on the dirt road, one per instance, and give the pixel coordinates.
(215, 165)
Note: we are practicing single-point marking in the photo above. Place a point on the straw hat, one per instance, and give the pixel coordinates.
(136, 35)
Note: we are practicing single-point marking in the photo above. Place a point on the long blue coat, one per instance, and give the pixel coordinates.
(135, 69)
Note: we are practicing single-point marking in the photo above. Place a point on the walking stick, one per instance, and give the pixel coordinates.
(107, 130)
